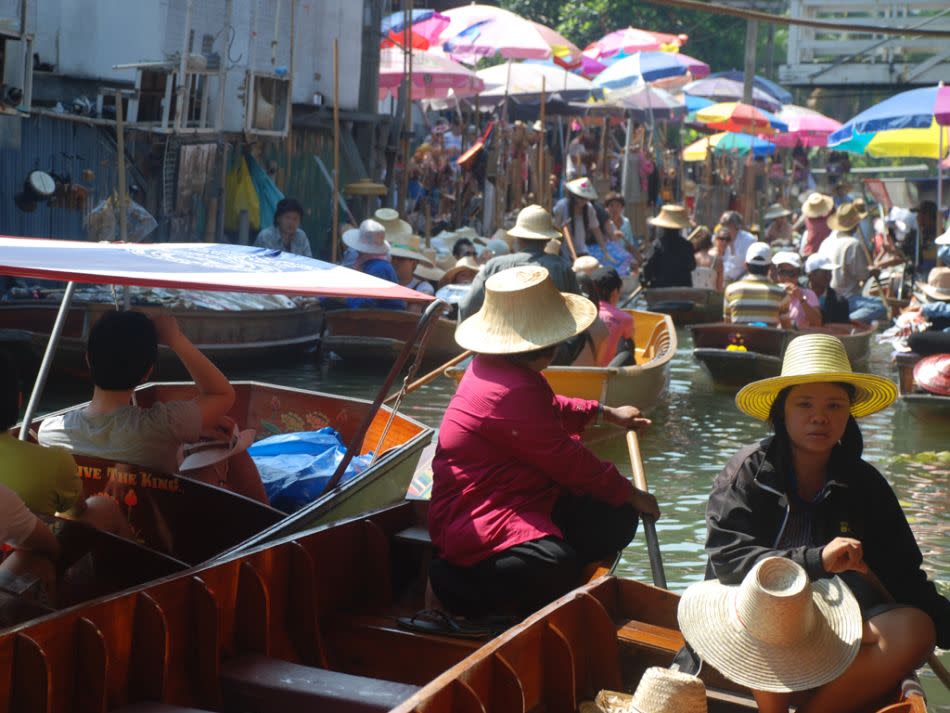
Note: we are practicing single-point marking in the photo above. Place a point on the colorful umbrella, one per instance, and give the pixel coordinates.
(766, 85)
(908, 143)
(433, 75)
(648, 67)
(914, 109)
(526, 79)
(630, 40)
(739, 144)
(649, 103)
(805, 126)
(739, 117)
(729, 90)
(425, 28)
(586, 67)
(477, 31)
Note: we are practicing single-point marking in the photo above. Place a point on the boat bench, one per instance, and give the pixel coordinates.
(415, 535)
(264, 685)
(651, 635)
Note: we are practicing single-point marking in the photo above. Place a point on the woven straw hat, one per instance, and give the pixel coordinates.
(776, 631)
(938, 284)
(861, 206)
(932, 374)
(817, 205)
(192, 456)
(845, 219)
(370, 238)
(585, 263)
(812, 359)
(534, 223)
(463, 264)
(432, 274)
(397, 230)
(523, 311)
(582, 188)
(406, 251)
(662, 691)
(776, 210)
(671, 216)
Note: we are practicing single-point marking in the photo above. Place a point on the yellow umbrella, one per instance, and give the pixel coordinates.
(727, 142)
(910, 143)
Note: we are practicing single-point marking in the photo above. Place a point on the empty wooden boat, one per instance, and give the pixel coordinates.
(294, 625)
(686, 305)
(376, 336)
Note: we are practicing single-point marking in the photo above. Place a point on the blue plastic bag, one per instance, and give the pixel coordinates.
(267, 192)
(295, 467)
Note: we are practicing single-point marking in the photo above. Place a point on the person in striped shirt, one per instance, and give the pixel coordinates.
(755, 299)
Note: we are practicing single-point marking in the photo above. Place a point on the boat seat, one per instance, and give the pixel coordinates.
(650, 635)
(156, 707)
(264, 685)
(415, 535)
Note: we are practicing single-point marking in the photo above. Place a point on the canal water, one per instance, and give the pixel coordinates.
(691, 439)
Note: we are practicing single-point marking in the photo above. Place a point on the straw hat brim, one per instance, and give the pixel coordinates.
(817, 210)
(772, 215)
(411, 255)
(212, 455)
(587, 192)
(424, 272)
(935, 293)
(353, 239)
(484, 337)
(452, 272)
(873, 392)
(836, 224)
(662, 222)
(521, 232)
(709, 623)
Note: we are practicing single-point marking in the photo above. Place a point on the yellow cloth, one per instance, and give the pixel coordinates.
(46, 479)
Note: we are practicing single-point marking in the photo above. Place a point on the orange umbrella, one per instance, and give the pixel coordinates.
(741, 118)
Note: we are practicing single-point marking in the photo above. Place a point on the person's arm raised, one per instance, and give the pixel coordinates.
(215, 393)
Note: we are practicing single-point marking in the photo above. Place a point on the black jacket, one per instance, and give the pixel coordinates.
(834, 308)
(747, 512)
(671, 264)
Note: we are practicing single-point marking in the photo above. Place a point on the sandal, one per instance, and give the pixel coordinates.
(433, 621)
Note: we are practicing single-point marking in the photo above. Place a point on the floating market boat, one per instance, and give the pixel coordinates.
(921, 404)
(738, 354)
(376, 336)
(294, 625)
(228, 336)
(686, 305)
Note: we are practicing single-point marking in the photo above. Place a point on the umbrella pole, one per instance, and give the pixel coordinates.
(407, 47)
(626, 151)
(335, 235)
(541, 198)
(940, 157)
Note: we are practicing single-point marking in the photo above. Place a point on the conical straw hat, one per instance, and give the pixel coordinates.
(534, 223)
(523, 311)
(776, 631)
(583, 188)
(812, 359)
(663, 691)
(397, 230)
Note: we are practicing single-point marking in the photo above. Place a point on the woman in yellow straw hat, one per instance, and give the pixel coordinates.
(519, 504)
(807, 495)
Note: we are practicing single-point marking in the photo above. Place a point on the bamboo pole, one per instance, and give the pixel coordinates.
(541, 198)
(120, 150)
(407, 129)
(335, 213)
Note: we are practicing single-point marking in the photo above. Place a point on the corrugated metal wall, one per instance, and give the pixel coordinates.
(64, 147)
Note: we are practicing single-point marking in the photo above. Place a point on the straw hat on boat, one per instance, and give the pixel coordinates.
(662, 690)
(193, 456)
(932, 374)
(463, 264)
(411, 250)
(397, 230)
(845, 219)
(776, 631)
(811, 359)
(524, 311)
(534, 223)
(817, 205)
(582, 188)
(671, 216)
(369, 238)
(937, 286)
(775, 211)
(432, 274)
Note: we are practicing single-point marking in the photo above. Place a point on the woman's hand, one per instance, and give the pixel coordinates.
(626, 417)
(843, 554)
(645, 504)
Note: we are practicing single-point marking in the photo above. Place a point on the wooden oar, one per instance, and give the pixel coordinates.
(566, 232)
(649, 525)
(432, 375)
(631, 297)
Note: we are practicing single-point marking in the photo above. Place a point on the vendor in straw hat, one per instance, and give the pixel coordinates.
(519, 504)
(534, 229)
(852, 264)
(815, 210)
(806, 494)
(372, 248)
(672, 261)
(576, 211)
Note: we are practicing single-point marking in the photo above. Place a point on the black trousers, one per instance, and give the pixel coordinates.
(523, 578)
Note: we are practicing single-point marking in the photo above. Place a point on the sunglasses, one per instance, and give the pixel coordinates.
(787, 272)
(724, 238)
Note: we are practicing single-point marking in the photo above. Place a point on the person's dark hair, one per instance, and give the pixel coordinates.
(9, 393)
(527, 357)
(614, 197)
(459, 244)
(571, 201)
(122, 347)
(760, 270)
(588, 287)
(732, 217)
(667, 235)
(606, 280)
(849, 448)
(287, 205)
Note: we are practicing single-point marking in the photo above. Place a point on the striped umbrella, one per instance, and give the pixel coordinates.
(726, 142)
(739, 117)
(805, 126)
(729, 90)
(630, 40)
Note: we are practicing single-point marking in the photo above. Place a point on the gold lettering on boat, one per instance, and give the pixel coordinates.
(123, 477)
(153, 481)
(90, 472)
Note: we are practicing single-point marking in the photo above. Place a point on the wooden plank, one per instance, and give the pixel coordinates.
(641, 633)
(92, 668)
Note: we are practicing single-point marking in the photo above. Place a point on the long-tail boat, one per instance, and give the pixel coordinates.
(295, 626)
(686, 305)
(921, 404)
(738, 354)
(376, 336)
(644, 384)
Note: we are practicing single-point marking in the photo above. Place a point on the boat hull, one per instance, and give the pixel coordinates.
(686, 305)
(922, 405)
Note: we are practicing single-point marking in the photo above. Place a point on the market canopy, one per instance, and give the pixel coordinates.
(914, 109)
(433, 75)
(805, 126)
(521, 79)
(425, 26)
(739, 117)
(739, 144)
(763, 83)
(199, 266)
(726, 90)
(629, 40)
(648, 67)
(900, 143)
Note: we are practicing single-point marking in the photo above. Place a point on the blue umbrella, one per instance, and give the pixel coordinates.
(394, 22)
(766, 85)
(642, 67)
(914, 109)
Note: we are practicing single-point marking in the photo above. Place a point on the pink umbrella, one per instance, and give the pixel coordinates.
(630, 40)
(477, 31)
(805, 126)
(433, 75)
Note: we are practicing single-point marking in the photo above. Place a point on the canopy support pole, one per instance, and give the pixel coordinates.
(940, 158)
(626, 152)
(47, 362)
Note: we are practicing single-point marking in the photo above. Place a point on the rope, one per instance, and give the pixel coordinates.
(801, 21)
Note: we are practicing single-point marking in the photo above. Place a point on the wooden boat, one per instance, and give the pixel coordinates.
(226, 337)
(644, 385)
(686, 305)
(295, 626)
(921, 404)
(738, 354)
(193, 522)
(376, 336)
